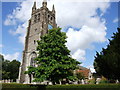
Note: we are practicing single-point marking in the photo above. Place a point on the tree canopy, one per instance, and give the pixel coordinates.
(54, 60)
(107, 62)
(10, 69)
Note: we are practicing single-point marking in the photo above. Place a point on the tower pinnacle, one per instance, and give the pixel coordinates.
(44, 0)
(44, 3)
(34, 6)
(53, 9)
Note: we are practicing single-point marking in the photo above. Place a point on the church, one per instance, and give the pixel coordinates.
(41, 20)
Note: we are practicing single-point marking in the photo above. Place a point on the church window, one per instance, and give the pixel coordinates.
(48, 16)
(39, 17)
(51, 18)
(42, 25)
(35, 29)
(33, 62)
(34, 41)
(35, 18)
(35, 21)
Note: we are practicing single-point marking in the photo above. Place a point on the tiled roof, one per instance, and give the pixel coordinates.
(84, 71)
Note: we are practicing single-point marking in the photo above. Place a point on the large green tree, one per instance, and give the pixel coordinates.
(80, 75)
(10, 69)
(1, 59)
(5, 69)
(54, 60)
(107, 62)
(14, 68)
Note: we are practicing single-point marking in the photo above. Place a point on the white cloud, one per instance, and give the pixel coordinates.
(21, 31)
(115, 20)
(1, 45)
(92, 26)
(12, 56)
(77, 14)
(81, 15)
(21, 14)
(83, 39)
(79, 55)
(9, 20)
(91, 68)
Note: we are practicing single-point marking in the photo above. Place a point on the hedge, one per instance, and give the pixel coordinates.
(85, 87)
(60, 87)
(15, 86)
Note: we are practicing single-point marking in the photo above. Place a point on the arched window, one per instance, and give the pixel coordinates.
(39, 17)
(34, 41)
(33, 62)
(51, 18)
(35, 18)
(48, 16)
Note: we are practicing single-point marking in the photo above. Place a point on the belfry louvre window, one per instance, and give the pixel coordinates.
(39, 17)
(51, 18)
(35, 18)
(48, 16)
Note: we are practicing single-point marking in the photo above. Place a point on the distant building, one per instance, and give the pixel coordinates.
(86, 72)
(41, 20)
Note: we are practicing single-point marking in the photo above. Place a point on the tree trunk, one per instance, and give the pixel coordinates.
(53, 83)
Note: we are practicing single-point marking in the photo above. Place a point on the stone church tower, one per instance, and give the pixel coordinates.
(41, 20)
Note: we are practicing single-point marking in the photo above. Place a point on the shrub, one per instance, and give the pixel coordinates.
(103, 81)
(91, 81)
(61, 87)
(85, 87)
(16, 85)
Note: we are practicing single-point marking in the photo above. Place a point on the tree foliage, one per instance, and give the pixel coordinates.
(107, 62)
(10, 69)
(80, 75)
(54, 60)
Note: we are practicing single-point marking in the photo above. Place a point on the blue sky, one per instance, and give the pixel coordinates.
(12, 45)
(110, 16)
